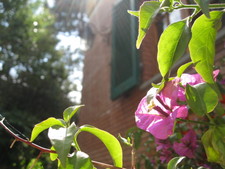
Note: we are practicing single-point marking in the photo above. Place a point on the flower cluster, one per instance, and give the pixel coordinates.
(186, 147)
(158, 111)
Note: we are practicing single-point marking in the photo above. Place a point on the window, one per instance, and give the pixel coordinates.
(125, 63)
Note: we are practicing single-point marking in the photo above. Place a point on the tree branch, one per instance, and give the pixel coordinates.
(46, 150)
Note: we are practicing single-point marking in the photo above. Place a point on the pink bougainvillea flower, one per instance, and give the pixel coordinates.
(162, 144)
(164, 148)
(165, 155)
(187, 146)
(158, 116)
(193, 79)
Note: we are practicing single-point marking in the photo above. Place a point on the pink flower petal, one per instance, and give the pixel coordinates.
(182, 112)
(187, 146)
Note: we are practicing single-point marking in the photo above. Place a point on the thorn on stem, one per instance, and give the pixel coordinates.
(14, 141)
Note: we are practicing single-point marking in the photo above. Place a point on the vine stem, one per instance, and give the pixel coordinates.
(194, 6)
(133, 153)
(17, 138)
(210, 119)
(197, 122)
(46, 150)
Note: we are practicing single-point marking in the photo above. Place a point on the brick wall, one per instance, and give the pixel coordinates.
(100, 111)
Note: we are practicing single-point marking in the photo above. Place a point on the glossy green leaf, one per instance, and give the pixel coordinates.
(202, 44)
(61, 139)
(147, 12)
(172, 45)
(173, 163)
(79, 160)
(134, 13)
(70, 112)
(111, 143)
(182, 68)
(201, 98)
(38, 128)
(204, 5)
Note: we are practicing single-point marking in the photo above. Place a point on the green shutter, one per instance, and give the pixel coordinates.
(125, 63)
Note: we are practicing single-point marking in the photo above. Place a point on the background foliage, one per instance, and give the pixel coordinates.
(33, 73)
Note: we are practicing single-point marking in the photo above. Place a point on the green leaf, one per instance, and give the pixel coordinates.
(38, 128)
(173, 163)
(126, 141)
(202, 44)
(172, 45)
(134, 13)
(111, 143)
(166, 4)
(53, 156)
(136, 133)
(147, 12)
(79, 160)
(212, 154)
(204, 5)
(214, 144)
(182, 68)
(218, 143)
(61, 139)
(201, 98)
(219, 109)
(70, 111)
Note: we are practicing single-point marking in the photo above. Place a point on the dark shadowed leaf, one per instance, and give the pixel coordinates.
(201, 98)
(204, 5)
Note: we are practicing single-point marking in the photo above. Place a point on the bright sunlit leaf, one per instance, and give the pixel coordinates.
(79, 160)
(111, 143)
(202, 44)
(53, 156)
(148, 10)
(70, 112)
(172, 45)
(61, 139)
(134, 13)
(182, 68)
(38, 128)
